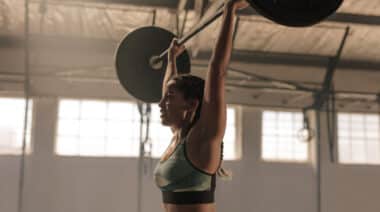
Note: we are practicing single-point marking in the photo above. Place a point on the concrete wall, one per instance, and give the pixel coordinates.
(62, 184)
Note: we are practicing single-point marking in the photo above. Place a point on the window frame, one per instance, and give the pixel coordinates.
(104, 156)
(237, 122)
(277, 160)
(337, 149)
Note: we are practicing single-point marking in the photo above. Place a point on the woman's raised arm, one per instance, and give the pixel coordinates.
(171, 70)
(213, 114)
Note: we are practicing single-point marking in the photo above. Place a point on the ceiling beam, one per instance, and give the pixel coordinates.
(105, 46)
(350, 18)
(172, 4)
(339, 17)
(292, 59)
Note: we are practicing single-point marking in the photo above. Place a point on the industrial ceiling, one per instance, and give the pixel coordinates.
(72, 42)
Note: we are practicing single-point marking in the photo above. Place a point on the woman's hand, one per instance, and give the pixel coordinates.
(236, 4)
(175, 49)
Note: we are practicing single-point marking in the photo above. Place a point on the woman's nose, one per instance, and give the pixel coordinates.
(161, 103)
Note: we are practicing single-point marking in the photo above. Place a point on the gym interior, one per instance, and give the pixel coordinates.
(303, 118)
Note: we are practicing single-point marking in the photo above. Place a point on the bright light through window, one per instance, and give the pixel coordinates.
(161, 135)
(358, 138)
(105, 128)
(12, 113)
(97, 128)
(230, 137)
(280, 140)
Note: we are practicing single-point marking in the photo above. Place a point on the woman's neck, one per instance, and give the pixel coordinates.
(181, 132)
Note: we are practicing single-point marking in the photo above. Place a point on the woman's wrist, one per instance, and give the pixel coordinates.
(171, 57)
(230, 5)
(233, 5)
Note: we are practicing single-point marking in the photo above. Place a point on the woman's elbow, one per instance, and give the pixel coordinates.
(219, 69)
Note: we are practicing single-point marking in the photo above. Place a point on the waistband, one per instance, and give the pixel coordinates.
(189, 197)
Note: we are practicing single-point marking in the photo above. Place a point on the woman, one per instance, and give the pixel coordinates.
(196, 112)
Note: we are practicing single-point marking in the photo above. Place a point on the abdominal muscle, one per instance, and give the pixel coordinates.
(210, 207)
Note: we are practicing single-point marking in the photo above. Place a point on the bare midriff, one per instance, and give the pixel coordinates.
(209, 207)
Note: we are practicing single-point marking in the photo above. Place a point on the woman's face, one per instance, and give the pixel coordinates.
(173, 106)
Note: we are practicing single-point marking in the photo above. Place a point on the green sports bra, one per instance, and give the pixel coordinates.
(181, 182)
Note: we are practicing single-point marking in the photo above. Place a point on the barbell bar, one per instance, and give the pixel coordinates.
(140, 56)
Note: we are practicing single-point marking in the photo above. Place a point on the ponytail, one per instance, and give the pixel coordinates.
(222, 173)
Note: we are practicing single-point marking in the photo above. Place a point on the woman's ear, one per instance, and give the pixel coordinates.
(193, 104)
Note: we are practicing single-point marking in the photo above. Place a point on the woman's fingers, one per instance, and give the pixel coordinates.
(175, 49)
(237, 4)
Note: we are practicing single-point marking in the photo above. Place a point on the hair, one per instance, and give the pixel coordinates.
(192, 87)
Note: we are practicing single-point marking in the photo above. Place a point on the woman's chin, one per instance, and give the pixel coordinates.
(164, 122)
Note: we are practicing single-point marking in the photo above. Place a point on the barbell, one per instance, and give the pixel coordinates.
(141, 55)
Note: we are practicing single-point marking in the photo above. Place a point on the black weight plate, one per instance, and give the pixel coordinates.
(133, 67)
(296, 13)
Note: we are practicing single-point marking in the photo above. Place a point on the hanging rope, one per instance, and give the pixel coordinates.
(144, 111)
(27, 97)
(146, 144)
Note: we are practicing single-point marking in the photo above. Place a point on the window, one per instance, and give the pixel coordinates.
(358, 138)
(108, 128)
(230, 152)
(97, 128)
(280, 140)
(161, 135)
(12, 113)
